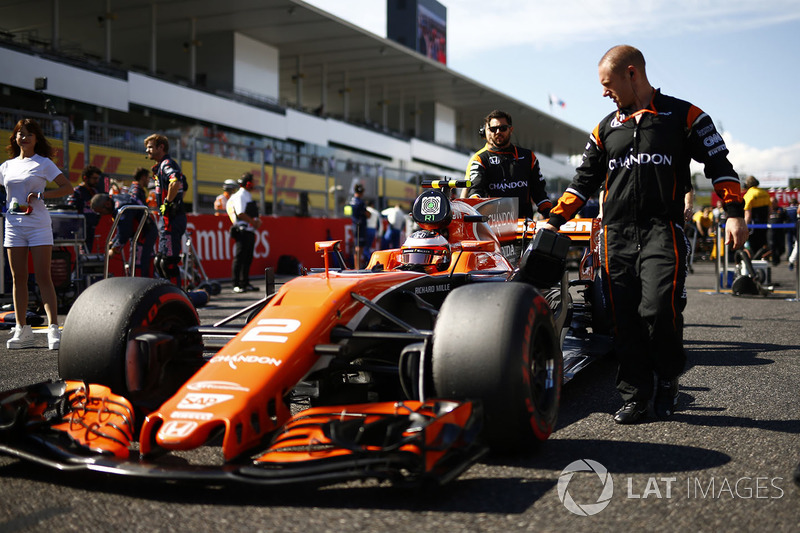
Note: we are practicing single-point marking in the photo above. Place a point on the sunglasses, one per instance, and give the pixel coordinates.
(503, 128)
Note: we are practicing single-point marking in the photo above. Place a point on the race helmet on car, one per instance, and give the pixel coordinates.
(426, 248)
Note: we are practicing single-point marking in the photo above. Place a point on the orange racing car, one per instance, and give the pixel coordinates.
(409, 370)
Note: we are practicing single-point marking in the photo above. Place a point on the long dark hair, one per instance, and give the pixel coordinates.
(42, 146)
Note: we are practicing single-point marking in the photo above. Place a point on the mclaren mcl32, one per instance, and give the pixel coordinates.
(410, 370)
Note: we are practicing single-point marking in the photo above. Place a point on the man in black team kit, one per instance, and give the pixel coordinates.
(640, 156)
(501, 169)
(170, 186)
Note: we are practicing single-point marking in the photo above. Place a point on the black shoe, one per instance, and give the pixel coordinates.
(666, 397)
(631, 413)
(250, 288)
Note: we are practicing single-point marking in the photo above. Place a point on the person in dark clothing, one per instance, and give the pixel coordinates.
(171, 184)
(128, 223)
(640, 155)
(791, 218)
(81, 198)
(777, 236)
(501, 169)
(138, 188)
(357, 210)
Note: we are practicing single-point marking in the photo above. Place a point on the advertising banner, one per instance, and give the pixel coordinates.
(277, 236)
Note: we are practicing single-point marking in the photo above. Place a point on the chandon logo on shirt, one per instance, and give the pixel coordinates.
(639, 159)
(504, 186)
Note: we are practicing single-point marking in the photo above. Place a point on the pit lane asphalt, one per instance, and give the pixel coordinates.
(724, 460)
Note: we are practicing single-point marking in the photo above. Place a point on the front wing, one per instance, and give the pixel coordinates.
(71, 425)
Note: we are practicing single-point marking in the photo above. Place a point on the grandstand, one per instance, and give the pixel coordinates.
(307, 101)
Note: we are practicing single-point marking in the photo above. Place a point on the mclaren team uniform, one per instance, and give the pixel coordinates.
(510, 172)
(641, 162)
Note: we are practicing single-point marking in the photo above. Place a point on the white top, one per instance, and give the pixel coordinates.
(395, 216)
(22, 176)
(374, 220)
(237, 204)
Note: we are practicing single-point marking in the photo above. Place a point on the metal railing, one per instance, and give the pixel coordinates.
(723, 252)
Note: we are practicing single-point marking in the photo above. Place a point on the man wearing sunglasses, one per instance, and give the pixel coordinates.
(640, 156)
(500, 169)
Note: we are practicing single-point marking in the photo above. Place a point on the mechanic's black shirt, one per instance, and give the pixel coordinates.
(510, 172)
(138, 192)
(166, 171)
(643, 166)
(81, 200)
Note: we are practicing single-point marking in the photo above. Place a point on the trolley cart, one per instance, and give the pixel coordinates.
(193, 274)
(129, 271)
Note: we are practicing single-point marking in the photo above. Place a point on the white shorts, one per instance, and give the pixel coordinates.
(20, 237)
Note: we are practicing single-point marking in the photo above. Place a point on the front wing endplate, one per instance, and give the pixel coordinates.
(71, 425)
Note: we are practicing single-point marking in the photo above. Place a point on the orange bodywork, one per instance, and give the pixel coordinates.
(319, 329)
(243, 387)
(307, 438)
(98, 420)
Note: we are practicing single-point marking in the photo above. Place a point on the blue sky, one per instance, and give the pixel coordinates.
(735, 59)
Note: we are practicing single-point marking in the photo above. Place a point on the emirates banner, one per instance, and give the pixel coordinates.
(277, 236)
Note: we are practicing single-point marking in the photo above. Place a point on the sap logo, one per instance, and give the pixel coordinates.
(200, 401)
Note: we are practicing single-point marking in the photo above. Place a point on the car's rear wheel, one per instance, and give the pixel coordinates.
(132, 335)
(496, 342)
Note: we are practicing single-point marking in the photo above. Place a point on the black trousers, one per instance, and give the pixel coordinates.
(243, 258)
(645, 274)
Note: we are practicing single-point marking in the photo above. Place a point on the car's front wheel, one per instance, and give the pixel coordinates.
(133, 335)
(496, 342)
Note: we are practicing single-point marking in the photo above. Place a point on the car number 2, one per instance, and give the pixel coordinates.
(270, 330)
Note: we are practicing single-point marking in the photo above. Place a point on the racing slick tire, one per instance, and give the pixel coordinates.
(132, 335)
(496, 343)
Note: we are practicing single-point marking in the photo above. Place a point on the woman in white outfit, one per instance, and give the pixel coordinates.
(28, 226)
